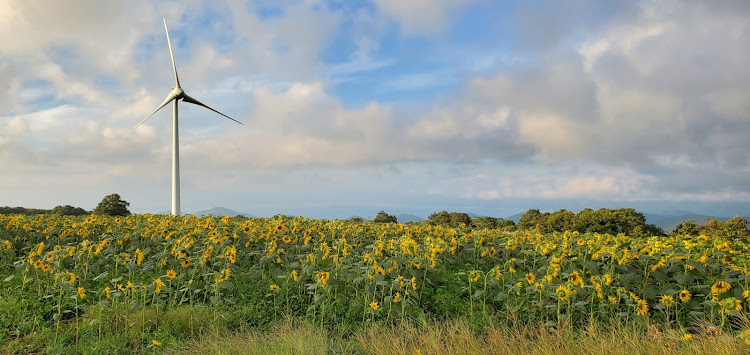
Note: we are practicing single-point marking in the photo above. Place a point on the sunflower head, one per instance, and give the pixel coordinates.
(641, 308)
(685, 295)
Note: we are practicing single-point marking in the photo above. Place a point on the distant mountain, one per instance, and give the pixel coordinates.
(403, 218)
(221, 211)
(516, 217)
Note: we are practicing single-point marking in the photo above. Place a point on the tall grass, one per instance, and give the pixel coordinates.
(296, 336)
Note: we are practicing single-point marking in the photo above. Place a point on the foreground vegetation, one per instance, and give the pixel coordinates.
(94, 283)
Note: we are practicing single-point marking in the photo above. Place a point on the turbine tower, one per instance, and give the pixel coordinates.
(175, 95)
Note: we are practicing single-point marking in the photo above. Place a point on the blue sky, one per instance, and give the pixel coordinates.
(417, 106)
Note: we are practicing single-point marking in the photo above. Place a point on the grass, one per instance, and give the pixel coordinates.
(295, 336)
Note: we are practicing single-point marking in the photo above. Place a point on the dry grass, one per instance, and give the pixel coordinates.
(457, 337)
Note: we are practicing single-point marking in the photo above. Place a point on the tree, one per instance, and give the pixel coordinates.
(113, 205)
(492, 223)
(383, 217)
(458, 218)
(68, 210)
(439, 218)
(562, 220)
(533, 219)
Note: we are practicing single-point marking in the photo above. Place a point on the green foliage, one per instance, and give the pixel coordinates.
(533, 219)
(603, 221)
(734, 227)
(383, 217)
(452, 219)
(69, 210)
(21, 210)
(439, 218)
(112, 205)
(66, 210)
(492, 223)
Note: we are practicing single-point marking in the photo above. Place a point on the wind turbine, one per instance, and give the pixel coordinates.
(174, 96)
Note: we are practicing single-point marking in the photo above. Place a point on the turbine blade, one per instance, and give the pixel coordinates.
(169, 43)
(191, 100)
(169, 98)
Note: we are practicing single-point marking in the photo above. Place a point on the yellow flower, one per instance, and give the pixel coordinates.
(374, 305)
(155, 342)
(687, 336)
(107, 292)
(612, 299)
(294, 275)
(720, 287)
(323, 276)
(414, 283)
(274, 287)
(138, 256)
(397, 297)
(641, 308)
(171, 274)
(745, 335)
(685, 295)
(746, 294)
(563, 293)
(530, 278)
(576, 278)
(667, 300)
(159, 284)
(475, 277)
(81, 292)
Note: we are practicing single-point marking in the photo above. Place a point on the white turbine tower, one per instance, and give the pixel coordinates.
(175, 95)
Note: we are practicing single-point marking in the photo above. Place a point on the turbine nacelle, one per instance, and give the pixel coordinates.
(177, 93)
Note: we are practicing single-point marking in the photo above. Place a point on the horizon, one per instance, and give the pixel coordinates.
(473, 106)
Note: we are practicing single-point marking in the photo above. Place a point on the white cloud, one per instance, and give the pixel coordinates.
(422, 17)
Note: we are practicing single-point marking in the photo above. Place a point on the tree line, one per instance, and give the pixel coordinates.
(112, 205)
(604, 221)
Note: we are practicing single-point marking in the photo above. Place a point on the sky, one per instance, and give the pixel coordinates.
(351, 107)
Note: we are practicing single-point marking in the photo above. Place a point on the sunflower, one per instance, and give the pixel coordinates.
(156, 342)
(107, 292)
(274, 287)
(374, 305)
(563, 293)
(475, 277)
(720, 287)
(530, 278)
(171, 274)
(641, 308)
(81, 292)
(685, 295)
(158, 285)
(576, 279)
(667, 300)
(746, 294)
(612, 299)
(295, 277)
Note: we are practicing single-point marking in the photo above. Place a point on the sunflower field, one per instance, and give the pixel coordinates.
(56, 270)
